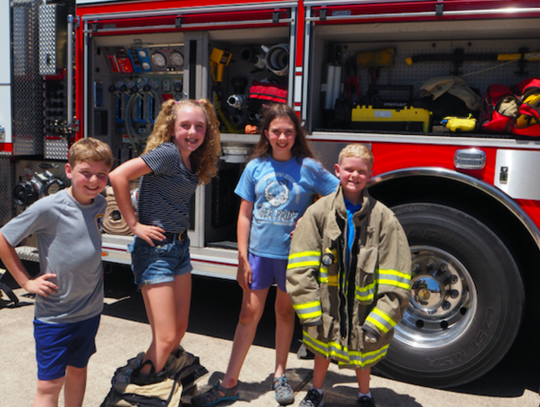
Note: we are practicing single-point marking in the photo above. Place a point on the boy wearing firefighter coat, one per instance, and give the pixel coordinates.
(348, 276)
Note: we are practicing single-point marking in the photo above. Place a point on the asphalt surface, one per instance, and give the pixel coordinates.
(124, 332)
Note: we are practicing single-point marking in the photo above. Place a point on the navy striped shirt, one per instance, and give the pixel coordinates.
(165, 193)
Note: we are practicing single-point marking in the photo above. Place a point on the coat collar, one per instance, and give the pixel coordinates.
(339, 209)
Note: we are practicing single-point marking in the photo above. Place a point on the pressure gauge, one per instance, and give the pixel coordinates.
(142, 53)
(154, 83)
(159, 60)
(177, 58)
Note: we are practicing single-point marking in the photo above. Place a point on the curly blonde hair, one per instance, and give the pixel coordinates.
(206, 157)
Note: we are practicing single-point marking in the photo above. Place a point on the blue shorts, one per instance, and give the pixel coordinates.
(62, 345)
(266, 271)
(160, 263)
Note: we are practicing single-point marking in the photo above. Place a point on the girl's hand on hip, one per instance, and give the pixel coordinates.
(243, 275)
(148, 233)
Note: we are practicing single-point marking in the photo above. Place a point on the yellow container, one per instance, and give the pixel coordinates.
(404, 115)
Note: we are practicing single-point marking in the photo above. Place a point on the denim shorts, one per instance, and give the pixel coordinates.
(160, 263)
(62, 345)
(266, 271)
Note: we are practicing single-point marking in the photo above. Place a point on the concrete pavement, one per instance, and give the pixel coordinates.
(124, 332)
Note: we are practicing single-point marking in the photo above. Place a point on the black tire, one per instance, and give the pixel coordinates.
(467, 299)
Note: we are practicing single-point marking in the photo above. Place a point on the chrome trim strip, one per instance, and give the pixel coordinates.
(69, 69)
(528, 144)
(490, 190)
(306, 64)
(314, 3)
(194, 25)
(292, 58)
(85, 81)
(430, 14)
(191, 10)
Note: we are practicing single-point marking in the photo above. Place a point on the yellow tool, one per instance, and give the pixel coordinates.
(459, 123)
(218, 60)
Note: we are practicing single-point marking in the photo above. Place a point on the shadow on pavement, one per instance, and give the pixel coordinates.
(215, 307)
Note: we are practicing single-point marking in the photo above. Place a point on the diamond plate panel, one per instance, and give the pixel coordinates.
(7, 180)
(27, 87)
(52, 38)
(56, 148)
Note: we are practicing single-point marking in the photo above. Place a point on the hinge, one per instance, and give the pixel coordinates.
(439, 9)
(275, 17)
(178, 22)
(323, 14)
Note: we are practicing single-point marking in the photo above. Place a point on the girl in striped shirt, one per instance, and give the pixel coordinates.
(181, 153)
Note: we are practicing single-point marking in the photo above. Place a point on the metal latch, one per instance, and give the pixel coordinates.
(503, 176)
(439, 8)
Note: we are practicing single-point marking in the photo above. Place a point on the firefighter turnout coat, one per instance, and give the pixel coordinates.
(333, 303)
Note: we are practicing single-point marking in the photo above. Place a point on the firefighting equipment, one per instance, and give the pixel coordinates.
(459, 123)
(277, 59)
(219, 59)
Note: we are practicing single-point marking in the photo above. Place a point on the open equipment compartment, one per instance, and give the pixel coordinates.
(241, 62)
(436, 48)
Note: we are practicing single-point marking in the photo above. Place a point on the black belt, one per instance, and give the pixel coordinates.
(171, 237)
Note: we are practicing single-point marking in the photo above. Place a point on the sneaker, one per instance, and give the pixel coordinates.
(284, 392)
(365, 401)
(313, 399)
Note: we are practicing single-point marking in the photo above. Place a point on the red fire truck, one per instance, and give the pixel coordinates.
(407, 77)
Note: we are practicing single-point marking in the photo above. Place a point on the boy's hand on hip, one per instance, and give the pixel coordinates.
(41, 285)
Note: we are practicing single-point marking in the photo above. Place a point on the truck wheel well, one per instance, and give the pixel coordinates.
(476, 203)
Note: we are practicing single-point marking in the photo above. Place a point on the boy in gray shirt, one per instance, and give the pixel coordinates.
(69, 286)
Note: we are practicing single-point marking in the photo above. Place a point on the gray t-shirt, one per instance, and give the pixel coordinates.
(69, 244)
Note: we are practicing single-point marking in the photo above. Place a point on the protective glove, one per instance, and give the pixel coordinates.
(370, 334)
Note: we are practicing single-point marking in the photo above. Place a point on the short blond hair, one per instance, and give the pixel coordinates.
(357, 150)
(90, 150)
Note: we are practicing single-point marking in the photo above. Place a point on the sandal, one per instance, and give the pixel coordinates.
(214, 396)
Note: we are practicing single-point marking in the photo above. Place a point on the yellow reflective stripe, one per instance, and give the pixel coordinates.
(304, 254)
(396, 273)
(323, 275)
(381, 320)
(308, 309)
(384, 316)
(307, 305)
(327, 349)
(395, 278)
(342, 354)
(304, 259)
(311, 263)
(364, 359)
(405, 286)
(377, 324)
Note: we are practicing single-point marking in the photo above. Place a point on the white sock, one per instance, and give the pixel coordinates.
(360, 394)
(318, 390)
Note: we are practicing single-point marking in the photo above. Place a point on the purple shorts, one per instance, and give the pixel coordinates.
(265, 272)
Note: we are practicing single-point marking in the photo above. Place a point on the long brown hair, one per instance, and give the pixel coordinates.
(205, 158)
(300, 148)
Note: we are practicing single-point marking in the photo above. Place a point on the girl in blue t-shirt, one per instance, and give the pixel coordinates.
(276, 188)
(181, 153)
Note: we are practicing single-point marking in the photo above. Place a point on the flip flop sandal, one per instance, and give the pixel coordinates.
(214, 396)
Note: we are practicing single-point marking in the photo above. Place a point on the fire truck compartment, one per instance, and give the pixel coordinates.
(436, 49)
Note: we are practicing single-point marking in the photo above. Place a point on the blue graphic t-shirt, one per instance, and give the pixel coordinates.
(281, 193)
